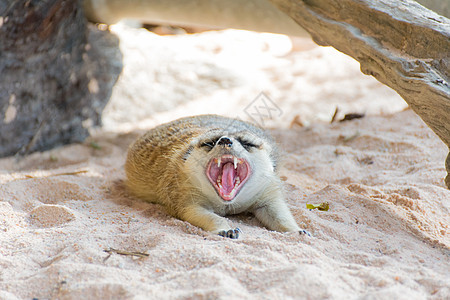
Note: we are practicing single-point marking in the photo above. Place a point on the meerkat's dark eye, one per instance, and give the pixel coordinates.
(247, 145)
(208, 144)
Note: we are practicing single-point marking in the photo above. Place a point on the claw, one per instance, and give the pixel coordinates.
(232, 233)
(303, 231)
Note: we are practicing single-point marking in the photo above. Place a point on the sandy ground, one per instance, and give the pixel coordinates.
(385, 235)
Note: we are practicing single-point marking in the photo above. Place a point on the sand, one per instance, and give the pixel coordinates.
(385, 236)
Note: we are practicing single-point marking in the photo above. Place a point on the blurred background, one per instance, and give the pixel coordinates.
(74, 67)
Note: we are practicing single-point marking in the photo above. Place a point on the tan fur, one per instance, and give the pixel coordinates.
(167, 166)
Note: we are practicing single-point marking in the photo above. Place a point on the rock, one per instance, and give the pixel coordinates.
(53, 86)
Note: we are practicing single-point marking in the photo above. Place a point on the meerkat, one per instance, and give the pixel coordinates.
(205, 167)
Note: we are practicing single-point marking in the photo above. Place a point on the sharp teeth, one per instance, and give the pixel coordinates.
(235, 162)
(218, 162)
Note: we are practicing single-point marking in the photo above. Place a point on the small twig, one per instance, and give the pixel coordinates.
(69, 173)
(335, 114)
(122, 252)
(58, 174)
(352, 116)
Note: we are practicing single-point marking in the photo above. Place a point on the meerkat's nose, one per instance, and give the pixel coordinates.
(225, 141)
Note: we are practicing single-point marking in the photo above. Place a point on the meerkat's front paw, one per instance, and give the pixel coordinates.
(232, 233)
(305, 232)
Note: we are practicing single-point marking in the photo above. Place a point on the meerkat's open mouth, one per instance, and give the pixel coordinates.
(228, 175)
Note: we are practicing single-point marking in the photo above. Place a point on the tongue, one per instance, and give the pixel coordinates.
(228, 176)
